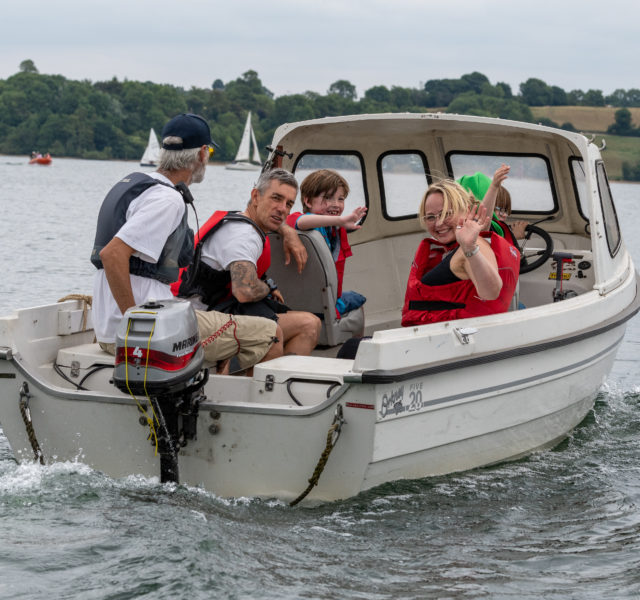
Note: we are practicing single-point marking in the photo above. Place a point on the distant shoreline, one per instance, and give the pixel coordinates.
(612, 158)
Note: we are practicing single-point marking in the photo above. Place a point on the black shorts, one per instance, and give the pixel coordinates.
(267, 307)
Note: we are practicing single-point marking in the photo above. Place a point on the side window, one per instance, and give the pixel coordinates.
(529, 182)
(403, 181)
(349, 165)
(580, 186)
(611, 225)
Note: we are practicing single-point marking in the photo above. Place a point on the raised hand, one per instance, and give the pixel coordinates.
(470, 225)
(502, 172)
(350, 221)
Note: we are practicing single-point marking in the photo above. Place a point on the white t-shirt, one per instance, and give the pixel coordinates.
(151, 219)
(232, 242)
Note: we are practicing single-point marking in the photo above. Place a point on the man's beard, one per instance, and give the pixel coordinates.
(198, 174)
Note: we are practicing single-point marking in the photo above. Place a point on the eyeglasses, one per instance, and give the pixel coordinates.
(212, 151)
(501, 210)
(434, 218)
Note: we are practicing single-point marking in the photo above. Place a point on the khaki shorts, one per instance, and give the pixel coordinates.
(110, 348)
(224, 336)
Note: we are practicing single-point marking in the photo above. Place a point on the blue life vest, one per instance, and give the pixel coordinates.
(178, 249)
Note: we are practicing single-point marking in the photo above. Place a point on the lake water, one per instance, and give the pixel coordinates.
(559, 524)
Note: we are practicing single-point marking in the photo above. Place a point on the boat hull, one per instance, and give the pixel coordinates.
(43, 160)
(409, 428)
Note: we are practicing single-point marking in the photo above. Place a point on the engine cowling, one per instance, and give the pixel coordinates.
(158, 348)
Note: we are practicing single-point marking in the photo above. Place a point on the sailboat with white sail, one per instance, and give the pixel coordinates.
(248, 155)
(152, 151)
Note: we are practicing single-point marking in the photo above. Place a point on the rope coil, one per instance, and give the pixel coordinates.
(86, 305)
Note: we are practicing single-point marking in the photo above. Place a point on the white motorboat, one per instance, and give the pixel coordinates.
(414, 402)
(151, 152)
(248, 156)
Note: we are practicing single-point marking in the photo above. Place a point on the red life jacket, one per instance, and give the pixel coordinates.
(222, 278)
(345, 249)
(458, 300)
(508, 234)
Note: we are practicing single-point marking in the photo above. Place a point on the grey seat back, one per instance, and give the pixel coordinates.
(314, 290)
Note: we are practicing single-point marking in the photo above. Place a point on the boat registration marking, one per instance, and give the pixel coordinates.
(393, 402)
(360, 405)
(7, 375)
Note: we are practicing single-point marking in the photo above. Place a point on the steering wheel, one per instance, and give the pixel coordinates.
(528, 262)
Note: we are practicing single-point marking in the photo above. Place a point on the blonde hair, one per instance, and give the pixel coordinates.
(456, 199)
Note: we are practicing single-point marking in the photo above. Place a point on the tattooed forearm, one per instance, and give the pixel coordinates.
(245, 284)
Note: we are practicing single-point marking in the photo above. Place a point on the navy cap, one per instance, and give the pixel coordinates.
(193, 130)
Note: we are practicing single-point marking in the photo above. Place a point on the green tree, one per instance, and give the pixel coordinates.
(558, 96)
(28, 66)
(593, 98)
(575, 97)
(343, 88)
(535, 92)
(473, 82)
(378, 93)
(623, 125)
(401, 97)
(471, 103)
(506, 90)
(630, 172)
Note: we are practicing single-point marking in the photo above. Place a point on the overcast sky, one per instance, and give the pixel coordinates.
(299, 45)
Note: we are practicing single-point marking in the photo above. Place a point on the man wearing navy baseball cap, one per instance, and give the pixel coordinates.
(143, 239)
(192, 130)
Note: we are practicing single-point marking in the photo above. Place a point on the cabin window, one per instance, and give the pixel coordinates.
(580, 186)
(403, 181)
(529, 183)
(348, 164)
(611, 225)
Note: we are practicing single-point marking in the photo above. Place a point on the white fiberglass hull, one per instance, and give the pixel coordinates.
(254, 440)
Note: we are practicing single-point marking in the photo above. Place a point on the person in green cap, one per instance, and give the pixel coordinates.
(492, 195)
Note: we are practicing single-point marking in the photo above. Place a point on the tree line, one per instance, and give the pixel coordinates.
(111, 119)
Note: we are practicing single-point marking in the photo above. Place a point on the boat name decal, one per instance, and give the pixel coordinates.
(393, 402)
(184, 344)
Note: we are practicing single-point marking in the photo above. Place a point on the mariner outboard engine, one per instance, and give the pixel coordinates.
(159, 357)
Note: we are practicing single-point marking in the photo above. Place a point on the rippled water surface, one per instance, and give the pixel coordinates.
(559, 524)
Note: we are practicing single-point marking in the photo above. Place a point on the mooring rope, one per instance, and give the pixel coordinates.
(28, 423)
(86, 304)
(332, 438)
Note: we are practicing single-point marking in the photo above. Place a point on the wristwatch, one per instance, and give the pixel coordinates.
(472, 252)
(271, 283)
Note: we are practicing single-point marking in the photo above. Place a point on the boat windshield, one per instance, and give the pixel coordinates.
(529, 184)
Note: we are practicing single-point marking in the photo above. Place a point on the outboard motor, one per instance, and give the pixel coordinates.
(159, 356)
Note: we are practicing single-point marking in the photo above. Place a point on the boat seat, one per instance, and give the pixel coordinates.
(84, 356)
(314, 290)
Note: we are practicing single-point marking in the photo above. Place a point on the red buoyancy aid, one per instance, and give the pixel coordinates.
(457, 300)
(210, 226)
(508, 234)
(345, 249)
